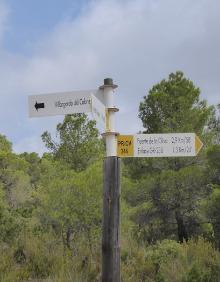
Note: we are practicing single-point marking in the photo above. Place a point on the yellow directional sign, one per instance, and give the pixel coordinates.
(198, 144)
(125, 146)
(158, 145)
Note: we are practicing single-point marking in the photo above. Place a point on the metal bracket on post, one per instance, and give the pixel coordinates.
(110, 134)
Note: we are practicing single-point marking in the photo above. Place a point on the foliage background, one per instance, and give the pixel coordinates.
(51, 206)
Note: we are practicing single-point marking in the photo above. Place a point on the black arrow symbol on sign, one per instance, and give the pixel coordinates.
(39, 106)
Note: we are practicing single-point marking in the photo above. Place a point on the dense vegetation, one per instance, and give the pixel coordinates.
(51, 206)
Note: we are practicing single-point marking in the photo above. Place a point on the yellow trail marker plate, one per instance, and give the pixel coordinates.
(125, 146)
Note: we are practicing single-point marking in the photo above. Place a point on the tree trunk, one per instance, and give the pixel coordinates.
(68, 237)
(182, 233)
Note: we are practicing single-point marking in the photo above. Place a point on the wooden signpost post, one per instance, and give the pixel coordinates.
(101, 103)
(111, 192)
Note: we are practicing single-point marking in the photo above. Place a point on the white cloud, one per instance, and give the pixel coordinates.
(136, 42)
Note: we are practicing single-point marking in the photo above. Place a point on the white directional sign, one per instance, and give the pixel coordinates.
(98, 111)
(158, 145)
(60, 103)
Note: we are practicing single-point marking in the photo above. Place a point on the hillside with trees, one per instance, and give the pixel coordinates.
(51, 206)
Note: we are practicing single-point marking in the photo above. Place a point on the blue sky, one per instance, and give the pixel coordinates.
(63, 45)
(30, 20)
